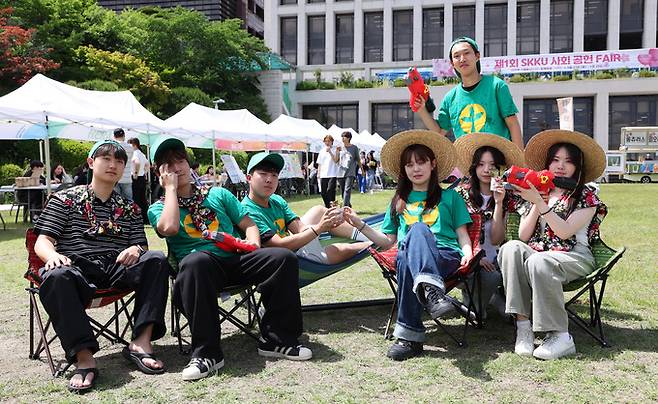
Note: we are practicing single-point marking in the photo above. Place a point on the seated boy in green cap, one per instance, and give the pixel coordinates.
(183, 215)
(479, 104)
(90, 237)
(280, 227)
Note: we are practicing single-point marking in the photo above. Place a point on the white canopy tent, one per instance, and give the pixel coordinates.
(304, 130)
(43, 109)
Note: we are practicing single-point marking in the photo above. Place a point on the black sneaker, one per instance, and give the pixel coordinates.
(198, 368)
(294, 353)
(434, 300)
(402, 349)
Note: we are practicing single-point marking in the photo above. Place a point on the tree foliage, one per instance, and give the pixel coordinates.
(19, 58)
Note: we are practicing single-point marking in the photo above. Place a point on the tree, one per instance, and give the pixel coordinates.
(19, 58)
(181, 96)
(127, 72)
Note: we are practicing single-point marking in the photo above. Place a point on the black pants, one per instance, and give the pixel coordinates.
(65, 292)
(139, 196)
(328, 190)
(202, 275)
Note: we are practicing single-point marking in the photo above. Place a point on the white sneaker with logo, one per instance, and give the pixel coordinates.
(555, 347)
(198, 368)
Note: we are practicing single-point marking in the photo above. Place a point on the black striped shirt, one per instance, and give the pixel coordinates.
(67, 225)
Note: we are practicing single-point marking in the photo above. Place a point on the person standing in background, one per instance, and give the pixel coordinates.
(351, 160)
(139, 167)
(328, 170)
(124, 186)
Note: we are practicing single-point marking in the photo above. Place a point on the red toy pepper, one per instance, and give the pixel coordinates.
(543, 180)
(227, 242)
(417, 87)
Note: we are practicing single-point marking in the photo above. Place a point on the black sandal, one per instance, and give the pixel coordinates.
(136, 358)
(84, 373)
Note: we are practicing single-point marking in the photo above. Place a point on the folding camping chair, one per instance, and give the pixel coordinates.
(605, 259)
(386, 261)
(101, 298)
(246, 298)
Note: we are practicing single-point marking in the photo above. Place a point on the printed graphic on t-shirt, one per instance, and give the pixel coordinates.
(472, 118)
(193, 232)
(280, 225)
(414, 213)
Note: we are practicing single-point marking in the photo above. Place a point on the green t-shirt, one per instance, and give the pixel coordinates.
(271, 220)
(482, 109)
(228, 213)
(442, 220)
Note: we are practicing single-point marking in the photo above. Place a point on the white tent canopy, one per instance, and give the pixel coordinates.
(303, 130)
(44, 108)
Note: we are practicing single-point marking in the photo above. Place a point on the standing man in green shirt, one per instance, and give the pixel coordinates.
(479, 104)
(275, 220)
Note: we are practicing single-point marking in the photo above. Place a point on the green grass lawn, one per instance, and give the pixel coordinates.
(349, 362)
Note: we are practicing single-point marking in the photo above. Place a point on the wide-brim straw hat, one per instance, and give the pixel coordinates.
(536, 151)
(444, 151)
(467, 146)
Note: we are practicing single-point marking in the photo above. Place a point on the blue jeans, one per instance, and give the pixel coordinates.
(419, 260)
(361, 180)
(370, 179)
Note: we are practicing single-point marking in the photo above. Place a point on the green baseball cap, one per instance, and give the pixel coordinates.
(274, 158)
(473, 44)
(94, 148)
(163, 144)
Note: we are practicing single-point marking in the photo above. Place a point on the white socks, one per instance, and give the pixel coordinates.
(523, 324)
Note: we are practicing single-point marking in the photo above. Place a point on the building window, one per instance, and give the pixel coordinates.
(463, 22)
(373, 36)
(314, 1)
(316, 46)
(403, 23)
(527, 28)
(637, 110)
(345, 38)
(541, 114)
(495, 30)
(289, 39)
(561, 26)
(631, 24)
(596, 25)
(284, 2)
(389, 119)
(432, 33)
(344, 116)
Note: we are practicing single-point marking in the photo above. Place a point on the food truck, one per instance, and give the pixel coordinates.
(637, 159)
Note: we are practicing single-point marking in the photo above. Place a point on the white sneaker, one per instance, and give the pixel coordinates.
(293, 353)
(555, 347)
(198, 368)
(525, 341)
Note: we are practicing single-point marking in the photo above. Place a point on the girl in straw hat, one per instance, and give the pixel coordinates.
(555, 234)
(430, 231)
(482, 157)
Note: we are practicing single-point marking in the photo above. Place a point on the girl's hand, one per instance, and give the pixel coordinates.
(419, 102)
(531, 194)
(351, 218)
(464, 260)
(499, 193)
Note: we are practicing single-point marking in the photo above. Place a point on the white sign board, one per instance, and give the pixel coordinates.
(233, 169)
(292, 167)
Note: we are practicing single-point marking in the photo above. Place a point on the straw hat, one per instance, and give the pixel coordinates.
(444, 151)
(467, 146)
(536, 151)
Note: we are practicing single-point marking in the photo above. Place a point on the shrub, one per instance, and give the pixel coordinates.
(437, 83)
(399, 83)
(8, 172)
(97, 84)
(623, 72)
(307, 85)
(69, 153)
(647, 73)
(346, 80)
(561, 77)
(362, 83)
(518, 78)
(603, 76)
(180, 97)
(326, 85)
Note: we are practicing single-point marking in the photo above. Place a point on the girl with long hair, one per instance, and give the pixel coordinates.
(429, 229)
(483, 157)
(555, 234)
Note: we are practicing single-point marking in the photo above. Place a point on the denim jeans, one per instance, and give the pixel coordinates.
(361, 180)
(419, 260)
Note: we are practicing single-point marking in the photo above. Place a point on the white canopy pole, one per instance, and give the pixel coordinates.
(47, 153)
(214, 164)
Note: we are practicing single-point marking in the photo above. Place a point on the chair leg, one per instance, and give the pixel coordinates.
(595, 312)
(44, 338)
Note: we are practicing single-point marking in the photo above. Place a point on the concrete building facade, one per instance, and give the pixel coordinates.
(338, 38)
